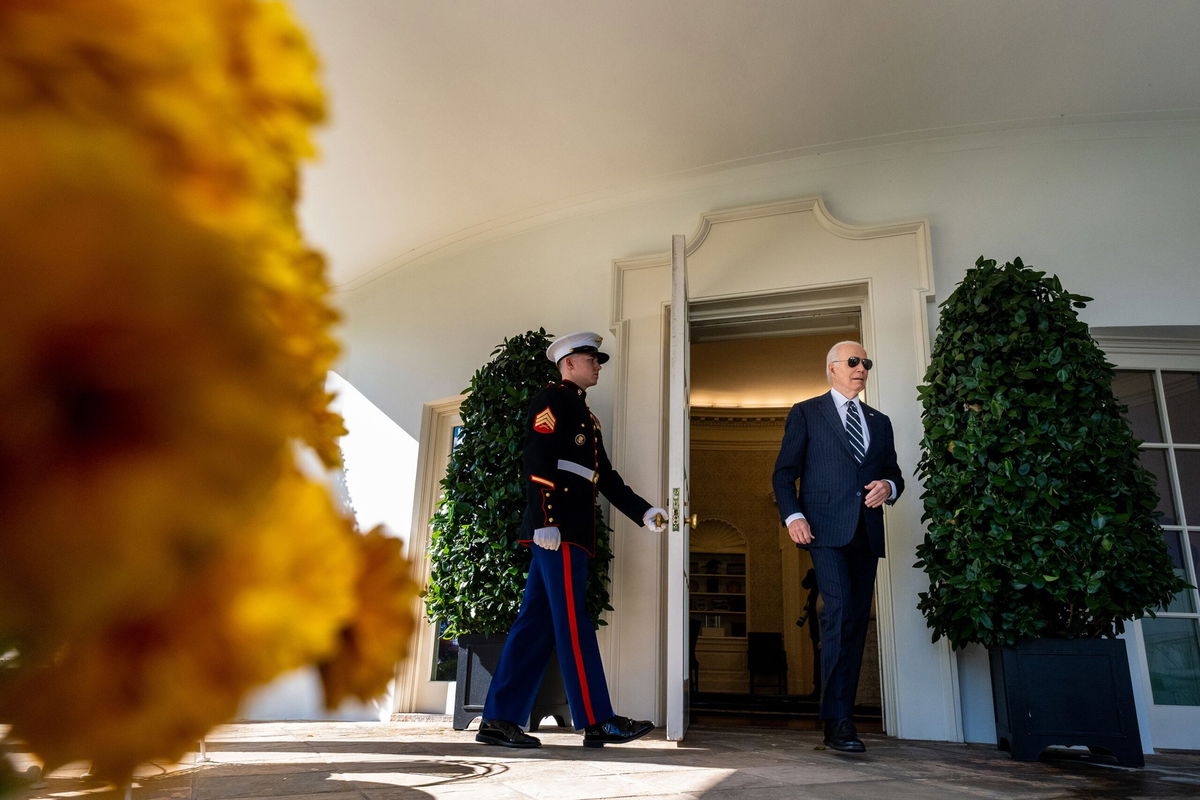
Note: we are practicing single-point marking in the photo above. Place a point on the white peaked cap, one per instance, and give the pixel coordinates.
(582, 342)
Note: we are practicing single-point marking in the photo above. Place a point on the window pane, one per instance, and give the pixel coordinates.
(1156, 462)
(1182, 391)
(445, 657)
(1173, 657)
(1136, 391)
(1194, 537)
(1188, 462)
(1183, 602)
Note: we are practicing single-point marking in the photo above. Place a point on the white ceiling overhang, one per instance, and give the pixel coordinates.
(455, 120)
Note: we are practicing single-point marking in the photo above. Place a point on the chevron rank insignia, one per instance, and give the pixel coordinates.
(544, 421)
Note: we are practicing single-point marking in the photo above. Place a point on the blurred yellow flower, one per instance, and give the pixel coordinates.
(219, 97)
(149, 685)
(293, 570)
(165, 334)
(141, 385)
(377, 636)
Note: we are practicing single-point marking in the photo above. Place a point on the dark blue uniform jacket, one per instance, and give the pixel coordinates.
(565, 465)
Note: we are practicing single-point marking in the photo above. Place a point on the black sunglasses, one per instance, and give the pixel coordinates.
(852, 362)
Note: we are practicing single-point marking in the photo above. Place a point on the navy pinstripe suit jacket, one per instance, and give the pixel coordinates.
(830, 493)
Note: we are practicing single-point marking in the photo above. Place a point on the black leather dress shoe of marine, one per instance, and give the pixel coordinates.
(505, 734)
(617, 730)
(840, 734)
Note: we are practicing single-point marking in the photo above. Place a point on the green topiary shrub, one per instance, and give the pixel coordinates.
(478, 567)
(1041, 519)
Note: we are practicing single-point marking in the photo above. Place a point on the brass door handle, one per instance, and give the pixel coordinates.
(692, 520)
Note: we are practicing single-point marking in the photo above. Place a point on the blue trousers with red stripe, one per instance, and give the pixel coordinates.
(553, 614)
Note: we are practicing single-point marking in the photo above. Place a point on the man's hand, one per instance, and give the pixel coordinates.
(650, 519)
(800, 532)
(548, 538)
(877, 493)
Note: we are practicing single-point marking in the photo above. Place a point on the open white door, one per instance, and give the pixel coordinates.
(679, 527)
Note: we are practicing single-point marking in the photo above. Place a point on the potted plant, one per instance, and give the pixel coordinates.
(477, 565)
(1042, 535)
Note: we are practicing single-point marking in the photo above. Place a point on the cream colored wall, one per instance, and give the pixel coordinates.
(1109, 207)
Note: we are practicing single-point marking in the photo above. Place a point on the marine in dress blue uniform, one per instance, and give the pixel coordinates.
(565, 467)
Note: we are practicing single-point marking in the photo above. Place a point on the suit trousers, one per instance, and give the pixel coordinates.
(846, 581)
(553, 614)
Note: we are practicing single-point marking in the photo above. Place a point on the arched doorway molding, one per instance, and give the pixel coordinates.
(766, 265)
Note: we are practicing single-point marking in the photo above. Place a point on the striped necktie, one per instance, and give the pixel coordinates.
(854, 431)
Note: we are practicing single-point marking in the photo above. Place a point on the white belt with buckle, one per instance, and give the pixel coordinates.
(578, 469)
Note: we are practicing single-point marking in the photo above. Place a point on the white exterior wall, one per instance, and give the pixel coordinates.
(1111, 208)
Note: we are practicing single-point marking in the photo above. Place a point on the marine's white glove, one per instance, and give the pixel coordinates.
(548, 538)
(648, 519)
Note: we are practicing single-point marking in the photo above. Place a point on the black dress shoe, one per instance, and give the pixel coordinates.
(505, 734)
(840, 734)
(617, 730)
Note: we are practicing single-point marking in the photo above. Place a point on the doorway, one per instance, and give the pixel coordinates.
(753, 602)
(770, 266)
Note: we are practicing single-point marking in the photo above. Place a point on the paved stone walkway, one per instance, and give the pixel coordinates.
(422, 757)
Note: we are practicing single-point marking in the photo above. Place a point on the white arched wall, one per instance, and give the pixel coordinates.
(761, 252)
(1109, 207)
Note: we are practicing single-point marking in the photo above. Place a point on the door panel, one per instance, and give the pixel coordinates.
(678, 529)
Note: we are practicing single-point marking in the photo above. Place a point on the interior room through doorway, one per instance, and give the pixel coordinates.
(753, 603)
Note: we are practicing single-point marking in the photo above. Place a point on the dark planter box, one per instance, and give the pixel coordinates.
(1065, 692)
(478, 657)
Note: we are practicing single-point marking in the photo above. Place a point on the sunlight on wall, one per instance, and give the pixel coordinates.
(381, 461)
(377, 484)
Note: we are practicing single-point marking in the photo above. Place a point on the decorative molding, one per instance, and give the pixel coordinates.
(820, 213)
(620, 266)
(740, 417)
(814, 205)
(714, 535)
(737, 429)
(713, 445)
(620, 333)
(436, 418)
(1147, 345)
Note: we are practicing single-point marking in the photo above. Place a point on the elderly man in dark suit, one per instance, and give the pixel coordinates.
(836, 468)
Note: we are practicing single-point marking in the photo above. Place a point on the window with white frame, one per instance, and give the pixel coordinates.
(1164, 412)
